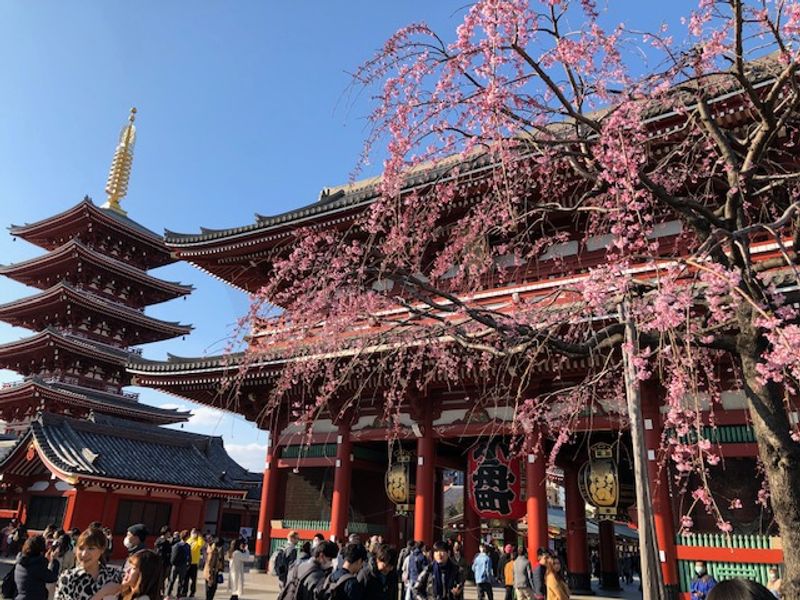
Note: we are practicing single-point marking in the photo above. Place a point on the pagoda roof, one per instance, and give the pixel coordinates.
(51, 337)
(66, 257)
(12, 312)
(118, 452)
(90, 399)
(80, 217)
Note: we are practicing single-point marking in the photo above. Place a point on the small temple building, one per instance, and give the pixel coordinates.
(77, 447)
(332, 478)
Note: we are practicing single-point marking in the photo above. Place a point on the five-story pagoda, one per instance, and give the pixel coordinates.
(89, 311)
(85, 450)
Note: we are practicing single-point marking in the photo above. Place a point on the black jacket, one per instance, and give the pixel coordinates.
(31, 573)
(310, 574)
(425, 588)
(378, 586)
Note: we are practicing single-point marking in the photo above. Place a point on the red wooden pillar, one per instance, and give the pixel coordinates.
(69, 511)
(472, 527)
(659, 492)
(609, 574)
(266, 512)
(342, 482)
(426, 472)
(577, 543)
(536, 494)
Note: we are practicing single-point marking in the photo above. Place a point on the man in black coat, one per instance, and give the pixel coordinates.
(311, 573)
(380, 576)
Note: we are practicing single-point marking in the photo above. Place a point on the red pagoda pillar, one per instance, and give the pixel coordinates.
(659, 492)
(609, 573)
(266, 512)
(342, 480)
(577, 543)
(472, 526)
(536, 493)
(426, 472)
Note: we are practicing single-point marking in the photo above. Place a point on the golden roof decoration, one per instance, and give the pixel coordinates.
(120, 173)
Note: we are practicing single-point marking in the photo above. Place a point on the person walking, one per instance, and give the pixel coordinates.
(482, 570)
(91, 576)
(523, 588)
(539, 573)
(285, 557)
(311, 573)
(379, 578)
(240, 554)
(702, 583)
(343, 583)
(214, 567)
(442, 579)
(508, 574)
(179, 560)
(163, 548)
(141, 579)
(402, 567)
(34, 569)
(557, 588)
(417, 561)
(196, 544)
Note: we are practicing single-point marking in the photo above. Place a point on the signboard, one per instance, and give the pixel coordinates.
(245, 532)
(493, 481)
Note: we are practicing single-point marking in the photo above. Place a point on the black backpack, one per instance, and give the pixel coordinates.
(283, 561)
(293, 584)
(330, 590)
(9, 586)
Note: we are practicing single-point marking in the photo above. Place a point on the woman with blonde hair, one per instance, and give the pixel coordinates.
(557, 588)
(142, 578)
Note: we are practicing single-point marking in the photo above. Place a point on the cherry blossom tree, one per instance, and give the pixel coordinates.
(539, 142)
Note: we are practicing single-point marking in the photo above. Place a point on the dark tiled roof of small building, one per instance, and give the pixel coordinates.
(105, 447)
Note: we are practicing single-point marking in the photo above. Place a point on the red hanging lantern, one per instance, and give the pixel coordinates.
(493, 481)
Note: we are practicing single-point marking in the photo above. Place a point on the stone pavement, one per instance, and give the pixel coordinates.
(265, 587)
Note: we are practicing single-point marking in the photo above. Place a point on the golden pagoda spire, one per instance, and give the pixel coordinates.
(120, 172)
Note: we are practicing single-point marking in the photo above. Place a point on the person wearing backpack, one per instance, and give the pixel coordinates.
(179, 560)
(305, 578)
(163, 548)
(343, 583)
(442, 579)
(285, 557)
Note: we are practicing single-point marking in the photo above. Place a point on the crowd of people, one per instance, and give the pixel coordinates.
(74, 565)
(324, 570)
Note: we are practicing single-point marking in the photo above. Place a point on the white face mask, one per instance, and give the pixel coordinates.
(128, 543)
(700, 570)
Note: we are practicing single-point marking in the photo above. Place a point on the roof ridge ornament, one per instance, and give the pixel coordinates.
(120, 173)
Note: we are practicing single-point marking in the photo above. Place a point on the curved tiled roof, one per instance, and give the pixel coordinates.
(39, 231)
(100, 401)
(74, 249)
(108, 448)
(163, 329)
(350, 196)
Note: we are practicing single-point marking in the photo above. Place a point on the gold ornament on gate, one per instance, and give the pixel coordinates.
(398, 481)
(599, 481)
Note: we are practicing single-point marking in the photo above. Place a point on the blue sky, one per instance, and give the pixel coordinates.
(242, 109)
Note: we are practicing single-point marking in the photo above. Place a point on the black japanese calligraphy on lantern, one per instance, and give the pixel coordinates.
(494, 481)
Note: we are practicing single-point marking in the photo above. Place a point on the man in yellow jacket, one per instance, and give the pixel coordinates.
(196, 544)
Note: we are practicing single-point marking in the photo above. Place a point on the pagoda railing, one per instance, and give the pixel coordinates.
(722, 540)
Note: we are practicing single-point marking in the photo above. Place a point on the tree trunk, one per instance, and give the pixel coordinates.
(652, 582)
(778, 452)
